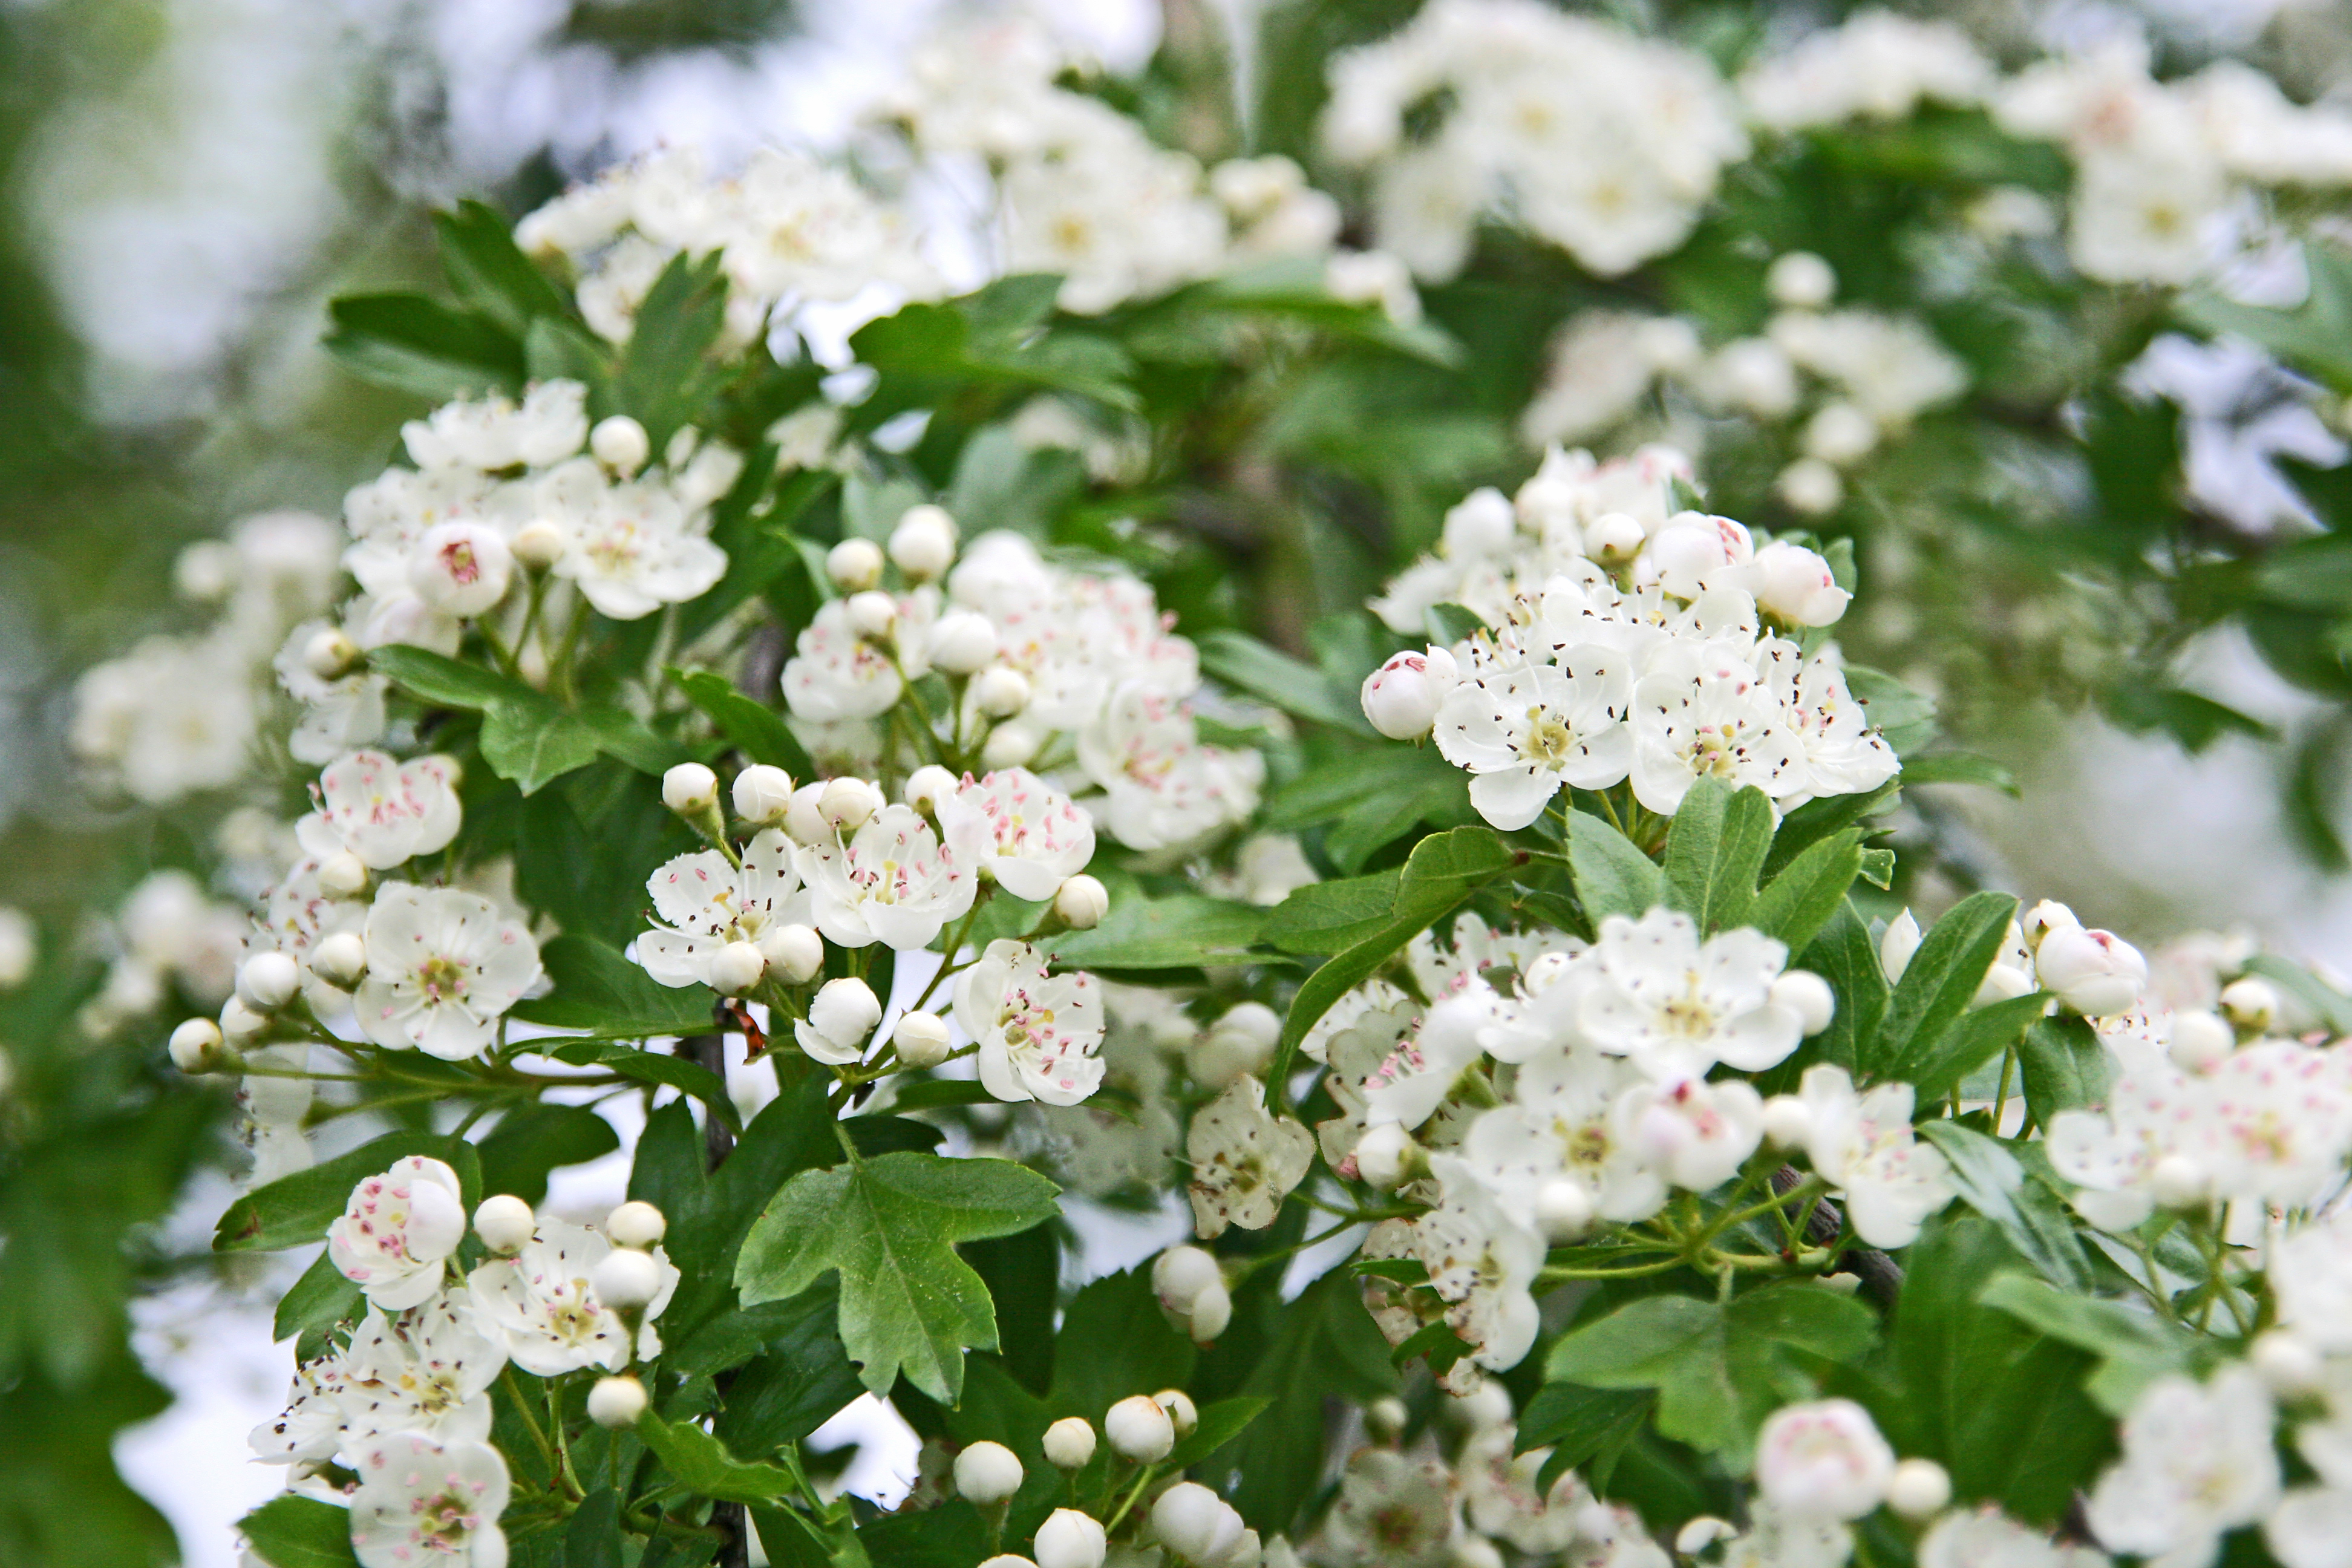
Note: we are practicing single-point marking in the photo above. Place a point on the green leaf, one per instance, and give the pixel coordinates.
(1817, 819)
(555, 350)
(2135, 1348)
(1368, 798)
(1905, 718)
(596, 989)
(1938, 984)
(1115, 1342)
(534, 743)
(1001, 481)
(450, 683)
(2314, 337)
(1450, 624)
(1878, 867)
(292, 1532)
(800, 1379)
(648, 1066)
(1219, 1424)
(1720, 1369)
(320, 1299)
(664, 376)
(1714, 852)
(411, 343)
(888, 1226)
(526, 736)
(1586, 1428)
(1960, 768)
(1173, 933)
(1246, 664)
(1331, 917)
(1992, 1182)
(534, 1138)
(754, 728)
(1796, 904)
(1979, 1035)
(62, 1503)
(2332, 1006)
(593, 1539)
(296, 1209)
(1612, 876)
(702, 1463)
(491, 274)
(2062, 1067)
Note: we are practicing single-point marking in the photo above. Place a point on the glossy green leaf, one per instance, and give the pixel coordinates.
(1960, 768)
(1975, 1038)
(418, 345)
(1938, 984)
(1331, 917)
(293, 1531)
(491, 274)
(1177, 931)
(1612, 876)
(1990, 1180)
(593, 1539)
(597, 990)
(1796, 904)
(647, 1065)
(2062, 1067)
(534, 1138)
(703, 1466)
(754, 728)
(320, 1300)
(1715, 851)
(2135, 1348)
(1448, 624)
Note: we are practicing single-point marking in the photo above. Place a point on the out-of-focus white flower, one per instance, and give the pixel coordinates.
(443, 967)
(2198, 1461)
(1824, 1460)
(2093, 971)
(394, 1237)
(1037, 1032)
(1246, 1160)
(1986, 1538)
(383, 811)
(1861, 1144)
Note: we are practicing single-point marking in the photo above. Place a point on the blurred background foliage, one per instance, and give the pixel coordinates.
(191, 182)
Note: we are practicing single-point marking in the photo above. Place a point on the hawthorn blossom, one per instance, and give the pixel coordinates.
(1697, 1135)
(1863, 1145)
(1563, 1125)
(427, 1369)
(837, 674)
(398, 1230)
(1706, 713)
(1482, 1258)
(1037, 1032)
(2282, 1116)
(419, 1500)
(1823, 1460)
(1523, 734)
(443, 968)
(2310, 1274)
(2154, 1111)
(1015, 826)
(1986, 1538)
(2197, 1463)
(493, 434)
(1246, 1160)
(383, 811)
(709, 904)
(1161, 786)
(1675, 1005)
(631, 547)
(311, 1429)
(338, 712)
(1499, 1496)
(1393, 1510)
(540, 1303)
(891, 881)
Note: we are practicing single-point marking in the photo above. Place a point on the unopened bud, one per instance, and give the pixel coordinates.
(923, 545)
(626, 1280)
(848, 804)
(1386, 1418)
(1563, 1209)
(2199, 1042)
(2287, 1363)
(2250, 1003)
(1181, 1413)
(1897, 946)
(854, 564)
(1788, 1121)
(196, 1046)
(987, 1473)
(1615, 535)
(330, 655)
(928, 786)
(1069, 1539)
(736, 968)
(1069, 1443)
(690, 789)
(1385, 1155)
(342, 875)
(1081, 901)
(539, 545)
(1918, 1490)
(2178, 1182)
(802, 820)
(1808, 996)
(872, 613)
(239, 1022)
(621, 444)
(1139, 1429)
(763, 793)
(1211, 1314)
(1012, 745)
(505, 1223)
(962, 643)
(795, 951)
(616, 1401)
(340, 960)
(922, 1039)
(636, 1224)
(1001, 692)
(268, 981)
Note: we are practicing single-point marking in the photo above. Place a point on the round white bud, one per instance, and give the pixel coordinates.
(1615, 535)
(1386, 1418)
(2251, 1003)
(2286, 1361)
(796, 951)
(1182, 1412)
(1799, 280)
(636, 1224)
(962, 643)
(626, 1280)
(1008, 1560)
(239, 1022)
(1069, 1443)
(460, 568)
(505, 1223)
(2094, 973)
(1788, 1121)
(621, 444)
(1400, 698)
(1796, 585)
(1196, 1523)
(926, 786)
(1081, 901)
(802, 820)
(340, 960)
(330, 655)
(872, 613)
(2201, 1041)
(616, 1401)
(1069, 1539)
(342, 875)
(1486, 1407)
(1210, 1313)
(689, 789)
(1474, 1552)
(1702, 1532)
(2178, 1182)
(987, 1473)
(1482, 524)
(195, 1044)
(1808, 997)
(763, 793)
(1181, 1273)
(2043, 918)
(1139, 1429)
(1563, 1209)
(1012, 745)
(2002, 983)
(844, 1011)
(1918, 1490)
(847, 804)
(854, 564)
(1810, 486)
(923, 545)
(736, 968)
(922, 1039)
(1385, 1155)
(1000, 692)
(539, 545)
(268, 981)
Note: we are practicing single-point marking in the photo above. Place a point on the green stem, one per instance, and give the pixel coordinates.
(530, 1423)
(1134, 1492)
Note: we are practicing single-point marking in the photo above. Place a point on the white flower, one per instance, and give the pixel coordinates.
(1037, 1032)
(2094, 973)
(461, 568)
(2310, 1273)
(1484, 1259)
(1499, 1496)
(840, 1023)
(1706, 713)
(311, 1428)
(338, 711)
(443, 967)
(1015, 826)
(398, 1229)
(1562, 1127)
(427, 1370)
(838, 674)
(493, 434)
(1697, 1133)
(2282, 1121)
(892, 881)
(1861, 1144)
(1842, 754)
(1162, 787)
(1676, 1006)
(632, 547)
(2197, 1462)
(383, 811)
(1986, 1538)
(1410, 1085)
(1246, 1160)
(418, 1500)
(169, 718)
(1823, 1460)
(1393, 1510)
(540, 1303)
(1522, 733)
(711, 904)
(2154, 1111)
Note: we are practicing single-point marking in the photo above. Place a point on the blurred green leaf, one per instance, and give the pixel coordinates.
(414, 345)
(1242, 662)
(703, 1466)
(490, 274)
(754, 728)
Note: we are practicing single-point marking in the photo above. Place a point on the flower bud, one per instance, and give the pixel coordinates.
(923, 545)
(802, 820)
(1615, 535)
(539, 545)
(1482, 524)
(1484, 1407)
(340, 960)
(1810, 486)
(2250, 1003)
(854, 564)
(922, 1039)
(795, 951)
(1788, 1121)
(195, 1046)
(1474, 1552)
(342, 875)
(505, 1223)
(2002, 983)
(1139, 1429)
(2286, 1361)
(736, 968)
(928, 786)
(1702, 1532)
(268, 981)
(848, 804)
(626, 1280)
(2199, 1042)
(1194, 1522)
(1008, 1560)
(460, 568)
(616, 1401)
(987, 1473)
(1000, 692)
(690, 789)
(1081, 901)
(621, 444)
(239, 1022)
(1400, 698)
(1386, 1156)
(2043, 918)
(1181, 1273)
(1386, 1418)
(962, 643)
(1181, 1413)
(872, 613)
(1824, 1460)
(1808, 997)
(1919, 1489)
(2178, 1182)
(1840, 435)
(636, 1224)
(763, 793)
(1210, 1313)
(1242, 1040)
(1069, 1539)
(844, 1014)
(330, 655)
(1069, 1443)
(1564, 1208)
(1897, 946)
(2094, 973)
(1796, 586)
(1012, 745)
